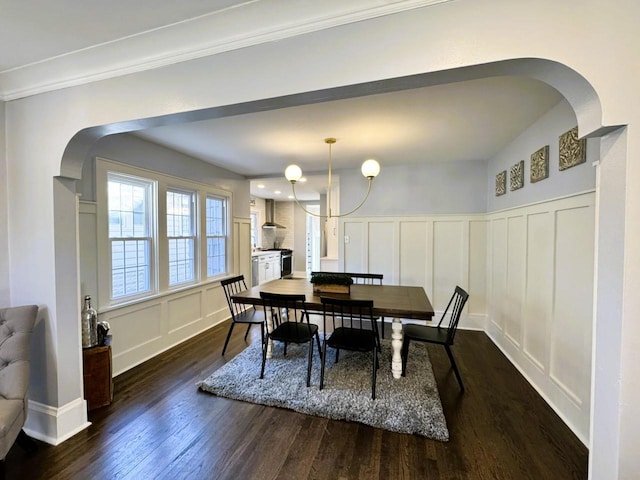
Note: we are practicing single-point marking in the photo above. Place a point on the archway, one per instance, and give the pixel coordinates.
(574, 87)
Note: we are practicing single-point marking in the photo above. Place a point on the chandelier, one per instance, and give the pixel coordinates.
(370, 169)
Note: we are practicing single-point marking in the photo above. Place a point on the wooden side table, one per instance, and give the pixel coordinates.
(98, 381)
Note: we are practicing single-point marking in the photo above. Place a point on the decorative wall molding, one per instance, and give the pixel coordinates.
(222, 31)
(540, 293)
(145, 329)
(529, 273)
(436, 252)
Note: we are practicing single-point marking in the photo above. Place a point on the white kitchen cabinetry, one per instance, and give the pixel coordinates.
(268, 267)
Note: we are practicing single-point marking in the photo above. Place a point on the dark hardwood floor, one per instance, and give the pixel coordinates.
(161, 426)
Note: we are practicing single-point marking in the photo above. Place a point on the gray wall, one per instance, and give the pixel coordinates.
(469, 186)
(430, 188)
(545, 131)
(132, 150)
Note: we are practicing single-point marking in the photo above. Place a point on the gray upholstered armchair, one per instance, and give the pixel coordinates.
(16, 325)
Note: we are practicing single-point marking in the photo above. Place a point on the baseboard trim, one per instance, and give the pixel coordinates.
(54, 425)
(537, 388)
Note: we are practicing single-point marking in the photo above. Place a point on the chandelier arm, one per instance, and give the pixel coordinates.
(293, 189)
(360, 204)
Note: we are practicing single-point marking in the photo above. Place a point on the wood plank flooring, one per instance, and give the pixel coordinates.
(161, 426)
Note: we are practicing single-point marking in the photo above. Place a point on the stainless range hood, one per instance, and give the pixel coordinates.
(270, 207)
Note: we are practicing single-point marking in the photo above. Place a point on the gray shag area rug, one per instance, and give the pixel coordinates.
(408, 405)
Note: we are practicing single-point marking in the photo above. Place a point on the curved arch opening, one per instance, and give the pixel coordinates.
(572, 86)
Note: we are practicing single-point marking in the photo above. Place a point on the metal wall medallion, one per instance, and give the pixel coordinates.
(573, 151)
(540, 164)
(517, 176)
(501, 183)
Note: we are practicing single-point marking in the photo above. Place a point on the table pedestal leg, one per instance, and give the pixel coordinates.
(396, 343)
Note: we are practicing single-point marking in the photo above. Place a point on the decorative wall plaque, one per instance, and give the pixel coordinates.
(517, 176)
(573, 151)
(501, 183)
(540, 164)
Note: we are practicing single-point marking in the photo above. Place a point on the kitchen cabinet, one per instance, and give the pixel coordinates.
(268, 267)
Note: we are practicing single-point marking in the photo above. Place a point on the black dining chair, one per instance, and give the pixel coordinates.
(438, 335)
(365, 279)
(239, 312)
(353, 328)
(290, 325)
(369, 279)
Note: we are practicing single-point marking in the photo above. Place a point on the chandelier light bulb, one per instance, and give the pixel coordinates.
(293, 173)
(370, 168)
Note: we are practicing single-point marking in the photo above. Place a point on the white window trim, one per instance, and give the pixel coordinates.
(206, 237)
(196, 227)
(160, 255)
(150, 220)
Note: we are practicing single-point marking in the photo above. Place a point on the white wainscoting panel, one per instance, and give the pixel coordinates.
(570, 365)
(414, 254)
(515, 279)
(382, 251)
(432, 251)
(449, 244)
(477, 303)
(541, 299)
(498, 273)
(145, 329)
(529, 274)
(242, 247)
(536, 312)
(354, 259)
(184, 310)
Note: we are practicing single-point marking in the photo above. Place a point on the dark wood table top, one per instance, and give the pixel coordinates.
(388, 300)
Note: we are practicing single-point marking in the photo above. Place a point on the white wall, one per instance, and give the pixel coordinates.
(540, 297)
(541, 269)
(4, 234)
(528, 270)
(436, 252)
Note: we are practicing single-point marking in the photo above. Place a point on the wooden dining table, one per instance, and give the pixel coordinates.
(395, 301)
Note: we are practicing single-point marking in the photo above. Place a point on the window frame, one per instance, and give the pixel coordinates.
(254, 216)
(150, 189)
(194, 236)
(225, 236)
(160, 251)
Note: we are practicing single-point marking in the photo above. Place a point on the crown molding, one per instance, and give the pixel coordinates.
(191, 39)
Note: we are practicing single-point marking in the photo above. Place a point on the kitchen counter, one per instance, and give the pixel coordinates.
(258, 253)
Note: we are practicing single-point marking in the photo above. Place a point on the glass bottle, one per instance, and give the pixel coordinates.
(89, 324)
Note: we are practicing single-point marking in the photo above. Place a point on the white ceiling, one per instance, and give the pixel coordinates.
(462, 121)
(469, 120)
(36, 30)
